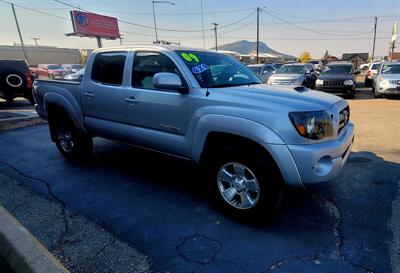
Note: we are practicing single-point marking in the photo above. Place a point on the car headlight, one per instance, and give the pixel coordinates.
(269, 80)
(312, 125)
(348, 82)
(319, 82)
(383, 81)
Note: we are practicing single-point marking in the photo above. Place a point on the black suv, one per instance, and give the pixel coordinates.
(338, 77)
(15, 80)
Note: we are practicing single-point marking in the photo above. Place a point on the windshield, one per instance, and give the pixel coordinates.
(53, 66)
(255, 69)
(217, 70)
(268, 69)
(290, 69)
(337, 69)
(391, 69)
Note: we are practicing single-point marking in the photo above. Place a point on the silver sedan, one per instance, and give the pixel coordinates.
(387, 80)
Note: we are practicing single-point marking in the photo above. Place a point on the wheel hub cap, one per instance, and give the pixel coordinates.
(238, 185)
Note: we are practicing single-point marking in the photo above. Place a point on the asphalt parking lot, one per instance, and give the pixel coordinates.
(161, 207)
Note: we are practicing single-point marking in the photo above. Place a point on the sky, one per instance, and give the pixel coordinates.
(288, 26)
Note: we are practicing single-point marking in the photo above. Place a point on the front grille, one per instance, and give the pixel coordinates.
(283, 82)
(344, 118)
(333, 83)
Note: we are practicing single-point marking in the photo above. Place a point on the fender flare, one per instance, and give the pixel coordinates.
(70, 106)
(232, 125)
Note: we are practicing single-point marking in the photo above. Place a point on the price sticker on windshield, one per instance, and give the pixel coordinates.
(198, 69)
(190, 57)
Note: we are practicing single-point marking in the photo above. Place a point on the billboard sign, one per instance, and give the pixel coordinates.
(94, 25)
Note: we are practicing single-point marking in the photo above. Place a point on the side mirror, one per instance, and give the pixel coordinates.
(273, 72)
(169, 81)
(365, 67)
(357, 72)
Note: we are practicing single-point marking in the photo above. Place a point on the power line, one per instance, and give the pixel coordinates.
(37, 11)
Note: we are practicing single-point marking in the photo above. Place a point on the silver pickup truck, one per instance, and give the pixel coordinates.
(250, 139)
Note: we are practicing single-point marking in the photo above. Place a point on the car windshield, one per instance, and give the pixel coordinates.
(217, 70)
(290, 69)
(255, 69)
(337, 69)
(391, 69)
(268, 69)
(54, 66)
(76, 66)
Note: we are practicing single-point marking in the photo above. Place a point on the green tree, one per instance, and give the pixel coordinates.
(305, 57)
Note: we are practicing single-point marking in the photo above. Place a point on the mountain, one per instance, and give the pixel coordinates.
(247, 47)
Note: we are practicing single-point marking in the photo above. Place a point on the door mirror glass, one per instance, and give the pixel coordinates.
(169, 81)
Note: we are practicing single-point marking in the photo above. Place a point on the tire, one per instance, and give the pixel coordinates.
(9, 99)
(368, 83)
(29, 97)
(72, 144)
(376, 94)
(250, 202)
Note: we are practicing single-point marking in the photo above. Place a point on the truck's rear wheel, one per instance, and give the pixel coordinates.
(72, 144)
(246, 184)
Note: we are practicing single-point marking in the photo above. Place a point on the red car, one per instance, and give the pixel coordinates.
(49, 71)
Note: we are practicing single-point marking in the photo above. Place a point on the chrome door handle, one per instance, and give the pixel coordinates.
(131, 100)
(88, 94)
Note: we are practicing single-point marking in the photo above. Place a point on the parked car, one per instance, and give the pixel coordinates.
(250, 138)
(317, 64)
(338, 77)
(387, 80)
(295, 74)
(363, 66)
(78, 76)
(371, 71)
(15, 80)
(49, 71)
(263, 71)
(72, 68)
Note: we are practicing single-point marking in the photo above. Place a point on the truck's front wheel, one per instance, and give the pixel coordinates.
(247, 184)
(72, 144)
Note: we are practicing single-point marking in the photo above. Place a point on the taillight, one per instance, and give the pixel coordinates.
(28, 76)
(369, 73)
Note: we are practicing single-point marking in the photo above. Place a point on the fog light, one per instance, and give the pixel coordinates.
(323, 166)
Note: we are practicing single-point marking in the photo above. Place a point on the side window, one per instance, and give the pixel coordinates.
(108, 67)
(147, 64)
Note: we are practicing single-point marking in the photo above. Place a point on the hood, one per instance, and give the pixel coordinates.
(279, 98)
(336, 77)
(286, 76)
(391, 76)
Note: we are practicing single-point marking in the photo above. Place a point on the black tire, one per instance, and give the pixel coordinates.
(29, 97)
(376, 94)
(269, 179)
(368, 83)
(9, 99)
(74, 145)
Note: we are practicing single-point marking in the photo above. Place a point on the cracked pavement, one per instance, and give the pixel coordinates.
(158, 205)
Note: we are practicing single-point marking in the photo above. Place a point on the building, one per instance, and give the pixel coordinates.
(44, 54)
(356, 58)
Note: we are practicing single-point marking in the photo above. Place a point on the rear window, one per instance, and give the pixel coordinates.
(374, 66)
(108, 67)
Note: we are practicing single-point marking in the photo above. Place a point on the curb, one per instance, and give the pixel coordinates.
(23, 252)
(14, 123)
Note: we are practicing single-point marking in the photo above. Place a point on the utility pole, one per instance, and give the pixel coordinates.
(35, 39)
(216, 36)
(99, 43)
(154, 15)
(373, 47)
(19, 32)
(258, 31)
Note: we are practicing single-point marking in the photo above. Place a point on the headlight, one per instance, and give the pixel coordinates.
(319, 82)
(348, 82)
(312, 125)
(269, 80)
(383, 81)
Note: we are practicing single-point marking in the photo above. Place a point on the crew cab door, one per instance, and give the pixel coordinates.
(102, 89)
(161, 117)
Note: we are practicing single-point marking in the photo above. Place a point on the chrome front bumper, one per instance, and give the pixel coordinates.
(303, 165)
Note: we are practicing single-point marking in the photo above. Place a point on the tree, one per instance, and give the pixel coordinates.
(305, 57)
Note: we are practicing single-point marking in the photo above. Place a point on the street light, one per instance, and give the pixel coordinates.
(154, 14)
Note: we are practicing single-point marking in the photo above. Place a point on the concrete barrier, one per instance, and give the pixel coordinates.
(23, 252)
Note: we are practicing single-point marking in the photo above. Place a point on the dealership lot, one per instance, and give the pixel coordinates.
(160, 206)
